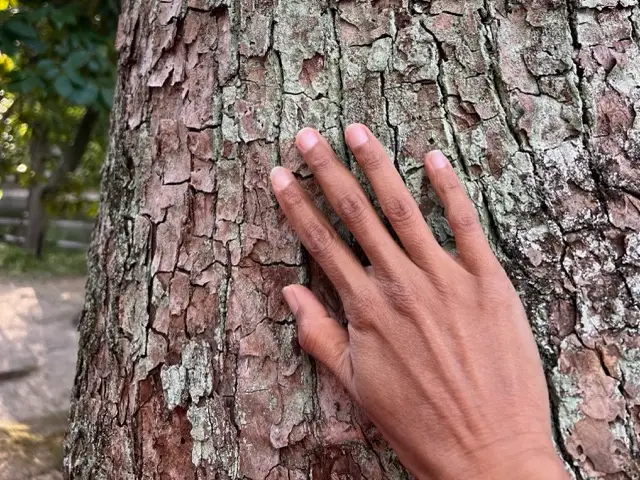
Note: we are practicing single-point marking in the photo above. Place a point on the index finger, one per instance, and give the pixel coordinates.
(317, 235)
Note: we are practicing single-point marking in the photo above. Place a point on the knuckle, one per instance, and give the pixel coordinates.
(372, 160)
(360, 300)
(449, 183)
(320, 240)
(399, 210)
(493, 294)
(291, 195)
(402, 294)
(499, 291)
(444, 286)
(320, 160)
(493, 269)
(464, 221)
(306, 339)
(352, 208)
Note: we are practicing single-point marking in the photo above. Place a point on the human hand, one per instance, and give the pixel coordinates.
(438, 351)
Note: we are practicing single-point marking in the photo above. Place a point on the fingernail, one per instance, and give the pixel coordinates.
(290, 297)
(356, 135)
(280, 177)
(437, 159)
(306, 139)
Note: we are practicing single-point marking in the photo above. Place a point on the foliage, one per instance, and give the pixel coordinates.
(61, 51)
(55, 262)
(56, 61)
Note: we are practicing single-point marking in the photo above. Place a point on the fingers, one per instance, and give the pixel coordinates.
(319, 334)
(315, 233)
(348, 199)
(397, 203)
(473, 248)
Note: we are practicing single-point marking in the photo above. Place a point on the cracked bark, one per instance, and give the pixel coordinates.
(189, 367)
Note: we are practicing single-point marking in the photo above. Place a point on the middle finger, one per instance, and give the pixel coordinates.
(348, 200)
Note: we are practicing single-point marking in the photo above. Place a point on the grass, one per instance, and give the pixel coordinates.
(55, 262)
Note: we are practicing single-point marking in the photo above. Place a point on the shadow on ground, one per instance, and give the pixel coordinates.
(38, 345)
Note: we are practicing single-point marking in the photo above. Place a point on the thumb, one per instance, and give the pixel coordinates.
(320, 335)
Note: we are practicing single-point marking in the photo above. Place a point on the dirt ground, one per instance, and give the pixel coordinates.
(38, 342)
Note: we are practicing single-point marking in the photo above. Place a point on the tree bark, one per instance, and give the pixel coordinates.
(37, 216)
(188, 363)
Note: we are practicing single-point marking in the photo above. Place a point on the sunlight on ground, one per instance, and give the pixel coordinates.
(38, 341)
(21, 303)
(24, 452)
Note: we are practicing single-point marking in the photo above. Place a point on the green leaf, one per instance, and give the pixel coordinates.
(63, 86)
(20, 29)
(63, 16)
(107, 96)
(53, 73)
(48, 68)
(94, 66)
(74, 75)
(45, 64)
(78, 59)
(7, 44)
(36, 45)
(37, 15)
(26, 84)
(86, 95)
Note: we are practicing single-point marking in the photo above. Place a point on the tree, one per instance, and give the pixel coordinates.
(189, 365)
(57, 68)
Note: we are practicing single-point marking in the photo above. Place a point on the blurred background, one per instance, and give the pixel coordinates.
(57, 75)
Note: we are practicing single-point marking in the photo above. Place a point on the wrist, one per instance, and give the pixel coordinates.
(525, 457)
(530, 464)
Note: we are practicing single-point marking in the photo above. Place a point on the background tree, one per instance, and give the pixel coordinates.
(57, 77)
(189, 366)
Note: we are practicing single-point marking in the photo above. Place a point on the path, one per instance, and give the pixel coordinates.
(38, 342)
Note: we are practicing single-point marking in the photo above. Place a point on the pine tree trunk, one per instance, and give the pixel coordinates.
(189, 365)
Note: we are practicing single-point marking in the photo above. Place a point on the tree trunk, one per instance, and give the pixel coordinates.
(188, 363)
(37, 216)
(41, 189)
(37, 221)
(73, 152)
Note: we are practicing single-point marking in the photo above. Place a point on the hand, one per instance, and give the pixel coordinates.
(438, 351)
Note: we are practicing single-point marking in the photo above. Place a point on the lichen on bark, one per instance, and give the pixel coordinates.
(189, 364)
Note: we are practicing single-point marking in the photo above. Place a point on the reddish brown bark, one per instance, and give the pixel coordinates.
(189, 365)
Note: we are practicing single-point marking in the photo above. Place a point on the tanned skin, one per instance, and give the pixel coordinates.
(438, 350)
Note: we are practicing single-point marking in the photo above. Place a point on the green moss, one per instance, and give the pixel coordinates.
(55, 262)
